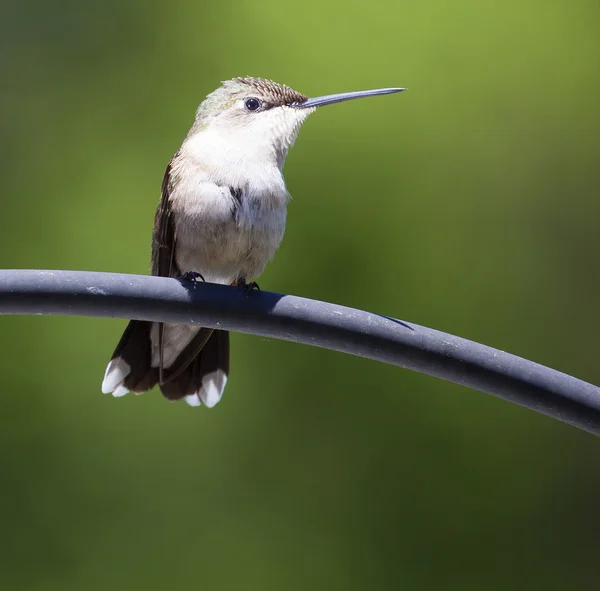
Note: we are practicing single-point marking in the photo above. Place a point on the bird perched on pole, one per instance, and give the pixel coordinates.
(220, 219)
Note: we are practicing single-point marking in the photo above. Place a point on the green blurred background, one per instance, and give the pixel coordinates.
(469, 204)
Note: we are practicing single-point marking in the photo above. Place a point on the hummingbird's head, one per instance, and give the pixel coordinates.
(262, 116)
(255, 113)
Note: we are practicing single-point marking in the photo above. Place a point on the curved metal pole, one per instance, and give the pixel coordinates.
(82, 293)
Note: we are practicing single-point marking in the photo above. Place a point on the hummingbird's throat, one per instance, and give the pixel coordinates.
(283, 128)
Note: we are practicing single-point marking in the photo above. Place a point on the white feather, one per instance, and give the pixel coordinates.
(193, 400)
(116, 371)
(213, 385)
(120, 391)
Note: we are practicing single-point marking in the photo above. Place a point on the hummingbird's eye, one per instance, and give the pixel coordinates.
(252, 104)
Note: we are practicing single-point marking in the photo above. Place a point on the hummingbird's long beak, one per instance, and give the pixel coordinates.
(330, 99)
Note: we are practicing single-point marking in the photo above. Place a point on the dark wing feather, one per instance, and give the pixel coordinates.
(163, 236)
(163, 246)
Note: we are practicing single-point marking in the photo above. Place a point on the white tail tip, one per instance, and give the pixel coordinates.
(213, 385)
(116, 371)
(120, 391)
(193, 400)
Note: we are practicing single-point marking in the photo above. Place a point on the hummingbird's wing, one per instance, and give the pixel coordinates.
(164, 244)
(163, 248)
(163, 235)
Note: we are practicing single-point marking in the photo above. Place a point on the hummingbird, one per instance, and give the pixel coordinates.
(220, 219)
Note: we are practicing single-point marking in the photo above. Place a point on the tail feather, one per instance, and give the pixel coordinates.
(130, 367)
(204, 378)
(176, 377)
(211, 369)
(198, 374)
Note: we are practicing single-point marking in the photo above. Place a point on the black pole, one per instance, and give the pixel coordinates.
(82, 293)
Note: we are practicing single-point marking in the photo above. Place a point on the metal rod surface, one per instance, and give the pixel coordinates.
(290, 318)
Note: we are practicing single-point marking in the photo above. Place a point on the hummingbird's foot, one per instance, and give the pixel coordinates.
(191, 276)
(247, 287)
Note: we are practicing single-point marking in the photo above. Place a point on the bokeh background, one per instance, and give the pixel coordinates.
(469, 204)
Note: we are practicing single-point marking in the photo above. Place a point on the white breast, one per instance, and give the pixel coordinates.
(221, 234)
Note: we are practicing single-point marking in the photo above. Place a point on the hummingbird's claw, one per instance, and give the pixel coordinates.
(247, 287)
(191, 276)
